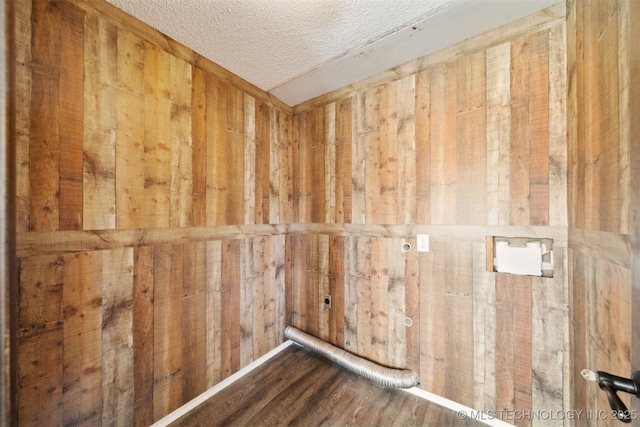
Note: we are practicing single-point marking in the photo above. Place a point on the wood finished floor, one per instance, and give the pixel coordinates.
(298, 388)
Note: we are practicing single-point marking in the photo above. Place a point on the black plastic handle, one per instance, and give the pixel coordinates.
(617, 406)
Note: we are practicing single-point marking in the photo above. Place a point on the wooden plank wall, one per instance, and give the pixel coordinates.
(603, 149)
(151, 188)
(463, 144)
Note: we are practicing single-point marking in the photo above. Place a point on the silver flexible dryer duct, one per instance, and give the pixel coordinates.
(388, 377)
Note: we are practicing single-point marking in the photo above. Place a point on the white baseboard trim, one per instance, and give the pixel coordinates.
(195, 402)
(464, 412)
(468, 413)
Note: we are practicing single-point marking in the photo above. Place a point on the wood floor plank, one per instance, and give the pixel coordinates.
(299, 388)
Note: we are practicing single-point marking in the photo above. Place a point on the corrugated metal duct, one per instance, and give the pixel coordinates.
(385, 376)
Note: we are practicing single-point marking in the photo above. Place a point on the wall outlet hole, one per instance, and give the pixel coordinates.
(327, 301)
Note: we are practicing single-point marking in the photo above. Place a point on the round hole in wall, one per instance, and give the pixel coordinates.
(407, 321)
(406, 247)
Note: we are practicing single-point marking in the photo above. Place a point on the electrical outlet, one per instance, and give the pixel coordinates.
(423, 242)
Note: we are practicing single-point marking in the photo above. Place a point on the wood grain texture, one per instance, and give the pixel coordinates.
(486, 151)
(40, 326)
(117, 324)
(130, 147)
(222, 215)
(22, 64)
(298, 388)
(121, 132)
(100, 118)
(601, 193)
(44, 148)
(486, 148)
(71, 117)
(83, 370)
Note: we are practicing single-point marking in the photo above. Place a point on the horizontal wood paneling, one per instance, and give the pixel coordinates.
(122, 135)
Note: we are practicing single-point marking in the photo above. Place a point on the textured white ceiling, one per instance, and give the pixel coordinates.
(281, 45)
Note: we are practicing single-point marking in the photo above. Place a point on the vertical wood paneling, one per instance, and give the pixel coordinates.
(366, 279)
(605, 87)
(168, 144)
(117, 324)
(250, 167)
(471, 134)
(199, 150)
(181, 144)
(377, 302)
(213, 312)
(558, 110)
(513, 344)
(372, 162)
(194, 320)
(130, 147)
(344, 135)
(272, 298)
(230, 309)
(82, 374)
(520, 139)
(284, 169)
(262, 152)
(22, 102)
(601, 56)
(548, 312)
(251, 287)
(539, 133)
(71, 117)
(274, 168)
(142, 331)
(234, 159)
(406, 129)
(484, 333)
(423, 147)
(315, 140)
(115, 132)
(522, 343)
(337, 277)
(322, 284)
(363, 295)
(350, 295)
(311, 281)
(627, 89)
(40, 324)
(100, 118)
(432, 322)
(358, 150)
(216, 151)
(498, 132)
(44, 148)
(505, 359)
(413, 309)
(443, 157)
(157, 136)
(396, 307)
(330, 162)
(458, 310)
(167, 328)
(386, 166)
